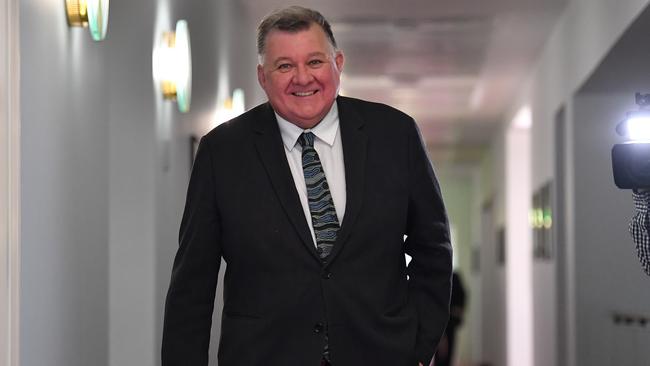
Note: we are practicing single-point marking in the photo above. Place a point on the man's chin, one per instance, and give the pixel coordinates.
(307, 119)
(305, 123)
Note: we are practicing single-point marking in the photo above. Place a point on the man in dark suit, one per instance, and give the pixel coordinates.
(309, 198)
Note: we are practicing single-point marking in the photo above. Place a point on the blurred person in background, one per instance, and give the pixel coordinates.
(447, 347)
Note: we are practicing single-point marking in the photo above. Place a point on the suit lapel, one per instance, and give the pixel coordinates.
(354, 156)
(268, 143)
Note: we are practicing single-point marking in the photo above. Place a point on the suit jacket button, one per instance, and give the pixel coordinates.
(318, 328)
(327, 275)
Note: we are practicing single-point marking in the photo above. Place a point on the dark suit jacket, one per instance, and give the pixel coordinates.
(279, 299)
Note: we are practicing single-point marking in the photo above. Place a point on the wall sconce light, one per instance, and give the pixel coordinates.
(230, 107)
(172, 66)
(238, 102)
(88, 13)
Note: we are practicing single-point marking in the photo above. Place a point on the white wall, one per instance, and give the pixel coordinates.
(491, 282)
(158, 179)
(457, 184)
(133, 165)
(225, 36)
(504, 287)
(9, 182)
(65, 232)
(583, 36)
(518, 244)
(607, 271)
(105, 166)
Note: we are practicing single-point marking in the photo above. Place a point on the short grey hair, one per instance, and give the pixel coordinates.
(292, 19)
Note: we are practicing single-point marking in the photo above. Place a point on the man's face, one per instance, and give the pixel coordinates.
(300, 74)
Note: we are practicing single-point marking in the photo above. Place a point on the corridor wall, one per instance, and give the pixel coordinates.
(598, 106)
(224, 58)
(65, 191)
(458, 185)
(228, 61)
(105, 166)
(491, 284)
(609, 279)
(583, 37)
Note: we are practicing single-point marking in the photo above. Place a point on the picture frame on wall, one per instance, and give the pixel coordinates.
(542, 223)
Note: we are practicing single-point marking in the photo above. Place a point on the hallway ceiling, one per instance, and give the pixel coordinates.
(456, 66)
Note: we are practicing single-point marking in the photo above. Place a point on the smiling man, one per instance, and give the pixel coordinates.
(300, 73)
(308, 199)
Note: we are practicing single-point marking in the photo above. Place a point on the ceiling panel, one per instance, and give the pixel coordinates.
(454, 65)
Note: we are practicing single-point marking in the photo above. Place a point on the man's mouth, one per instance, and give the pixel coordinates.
(305, 94)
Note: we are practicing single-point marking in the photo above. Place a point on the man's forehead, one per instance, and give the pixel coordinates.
(287, 56)
(281, 33)
(277, 47)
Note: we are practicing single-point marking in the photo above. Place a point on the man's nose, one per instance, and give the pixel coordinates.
(303, 76)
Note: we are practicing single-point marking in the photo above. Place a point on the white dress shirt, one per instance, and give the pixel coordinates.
(330, 151)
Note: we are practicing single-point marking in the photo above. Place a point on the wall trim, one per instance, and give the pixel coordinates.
(9, 182)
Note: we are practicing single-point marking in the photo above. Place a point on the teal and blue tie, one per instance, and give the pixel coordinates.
(321, 206)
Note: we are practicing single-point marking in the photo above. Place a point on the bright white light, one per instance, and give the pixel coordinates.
(523, 119)
(223, 113)
(238, 102)
(229, 108)
(172, 64)
(638, 128)
(164, 60)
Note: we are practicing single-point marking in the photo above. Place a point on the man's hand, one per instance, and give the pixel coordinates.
(420, 364)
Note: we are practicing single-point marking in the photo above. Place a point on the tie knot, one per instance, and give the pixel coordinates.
(306, 139)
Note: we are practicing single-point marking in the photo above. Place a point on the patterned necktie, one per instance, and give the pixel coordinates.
(321, 206)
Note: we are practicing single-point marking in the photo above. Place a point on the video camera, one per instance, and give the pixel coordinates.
(631, 159)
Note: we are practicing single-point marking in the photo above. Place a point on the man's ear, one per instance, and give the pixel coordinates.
(340, 60)
(261, 78)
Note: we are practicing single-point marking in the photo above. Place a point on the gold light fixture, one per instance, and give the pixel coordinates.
(167, 84)
(230, 107)
(77, 13)
(172, 66)
(88, 13)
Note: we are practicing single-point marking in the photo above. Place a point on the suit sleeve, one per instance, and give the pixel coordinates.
(190, 298)
(429, 246)
(640, 226)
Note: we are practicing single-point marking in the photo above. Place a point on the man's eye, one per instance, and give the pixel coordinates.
(284, 67)
(315, 62)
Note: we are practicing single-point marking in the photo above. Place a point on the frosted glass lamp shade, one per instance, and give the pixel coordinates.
(172, 66)
(89, 13)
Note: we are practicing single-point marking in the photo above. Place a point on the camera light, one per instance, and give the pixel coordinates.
(631, 159)
(638, 128)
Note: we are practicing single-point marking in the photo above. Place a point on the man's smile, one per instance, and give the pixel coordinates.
(304, 94)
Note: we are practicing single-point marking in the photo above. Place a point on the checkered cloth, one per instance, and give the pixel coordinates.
(640, 227)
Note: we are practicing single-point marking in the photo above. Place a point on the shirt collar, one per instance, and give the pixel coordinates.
(325, 130)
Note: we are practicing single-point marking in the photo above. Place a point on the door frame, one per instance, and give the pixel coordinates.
(9, 182)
